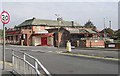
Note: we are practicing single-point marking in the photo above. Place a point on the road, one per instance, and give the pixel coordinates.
(61, 64)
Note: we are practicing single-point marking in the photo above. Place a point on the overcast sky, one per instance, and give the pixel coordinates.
(79, 12)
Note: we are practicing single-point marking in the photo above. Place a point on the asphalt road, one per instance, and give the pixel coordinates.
(103, 53)
(60, 64)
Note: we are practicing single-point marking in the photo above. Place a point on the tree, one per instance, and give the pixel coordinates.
(117, 34)
(108, 31)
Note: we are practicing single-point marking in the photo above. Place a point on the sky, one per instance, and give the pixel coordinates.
(119, 15)
(78, 11)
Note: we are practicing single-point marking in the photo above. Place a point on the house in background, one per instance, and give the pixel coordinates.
(85, 37)
(79, 37)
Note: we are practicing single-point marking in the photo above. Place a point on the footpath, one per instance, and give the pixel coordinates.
(8, 66)
(0, 69)
(8, 69)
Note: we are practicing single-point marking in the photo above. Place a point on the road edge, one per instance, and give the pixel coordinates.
(89, 56)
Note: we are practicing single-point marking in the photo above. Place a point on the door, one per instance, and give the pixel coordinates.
(43, 41)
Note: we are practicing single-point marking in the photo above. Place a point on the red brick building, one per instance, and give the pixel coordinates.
(33, 32)
(49, 32)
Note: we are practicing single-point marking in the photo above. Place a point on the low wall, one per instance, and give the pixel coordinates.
(92, 43)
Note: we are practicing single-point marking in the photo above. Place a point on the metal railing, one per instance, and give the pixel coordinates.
(24, 63)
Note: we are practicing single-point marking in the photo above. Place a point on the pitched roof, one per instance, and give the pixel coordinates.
(81, 31)
(74, 31)
(36, 22)
(90, 31)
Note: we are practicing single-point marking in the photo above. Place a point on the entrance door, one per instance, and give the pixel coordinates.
(43, 41)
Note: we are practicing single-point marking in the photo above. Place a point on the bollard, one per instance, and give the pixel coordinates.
(77, 43)
(68, 48)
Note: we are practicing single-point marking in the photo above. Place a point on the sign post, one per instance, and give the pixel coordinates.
(3, 46)
(5, 18)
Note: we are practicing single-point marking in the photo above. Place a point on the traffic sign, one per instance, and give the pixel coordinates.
(5, 17)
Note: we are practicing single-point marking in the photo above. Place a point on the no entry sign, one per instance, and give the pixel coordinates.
(5, 17)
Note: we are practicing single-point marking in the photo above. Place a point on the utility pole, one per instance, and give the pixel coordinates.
(59, 19)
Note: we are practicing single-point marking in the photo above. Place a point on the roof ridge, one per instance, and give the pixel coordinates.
(50, 22)
(44, 19)
(53, 20)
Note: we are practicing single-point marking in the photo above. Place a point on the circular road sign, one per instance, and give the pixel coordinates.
(5, 17)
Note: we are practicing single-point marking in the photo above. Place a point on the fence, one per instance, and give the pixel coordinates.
(24, 63)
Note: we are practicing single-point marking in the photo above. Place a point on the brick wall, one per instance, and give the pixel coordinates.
(38, 28)
(95, 43)
(82, 43)
(91, 43)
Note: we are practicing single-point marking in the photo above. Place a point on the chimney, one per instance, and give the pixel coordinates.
(72, 23)
(33, 18)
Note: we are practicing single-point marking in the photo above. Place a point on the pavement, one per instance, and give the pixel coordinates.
(8, 66)
(0, 60)
(0, 69)
(8, 69)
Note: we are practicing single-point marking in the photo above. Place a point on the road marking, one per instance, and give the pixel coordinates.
(34, 50)
(97, 57)
(18, 46)
(50, 51)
